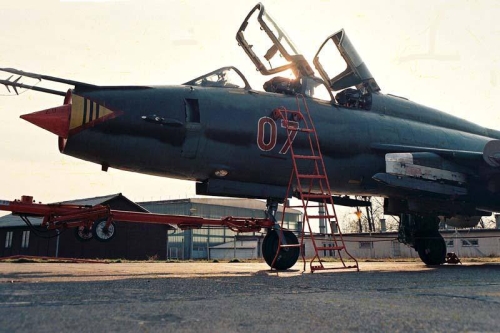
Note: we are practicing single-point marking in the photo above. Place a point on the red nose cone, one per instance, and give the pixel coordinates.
(55, 120)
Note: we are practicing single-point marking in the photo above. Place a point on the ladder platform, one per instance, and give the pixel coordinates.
(322, 268)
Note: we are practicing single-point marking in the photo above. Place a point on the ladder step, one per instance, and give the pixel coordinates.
(321, 268)
(305, 130)
(322, 216)
(335, 248)
(307, 157)
(315, 196)
(288, 111)
(311, 176)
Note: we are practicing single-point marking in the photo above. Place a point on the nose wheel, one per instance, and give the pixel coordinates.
(287, 257)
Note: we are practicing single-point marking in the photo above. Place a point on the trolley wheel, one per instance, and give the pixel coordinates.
(83, 234)
(287, 257)
(102, 233)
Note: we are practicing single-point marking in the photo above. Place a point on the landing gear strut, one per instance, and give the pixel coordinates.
(287, 256)
(421, 233)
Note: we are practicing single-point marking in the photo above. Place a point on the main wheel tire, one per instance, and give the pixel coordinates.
(102, 233)
(431, 248)
(287, 257)
(83, 234)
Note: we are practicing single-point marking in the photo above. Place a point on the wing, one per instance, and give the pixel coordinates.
(441, 171)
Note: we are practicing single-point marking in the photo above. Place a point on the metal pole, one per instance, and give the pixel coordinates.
(57, 243)
(191, 247)
(208, 243)
(322, 222)
(184, 236)
(166, 254)
(369, 217)
(208, 249)
(234, 247)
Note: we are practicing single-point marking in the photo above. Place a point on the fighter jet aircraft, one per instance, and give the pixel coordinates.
(219, 132)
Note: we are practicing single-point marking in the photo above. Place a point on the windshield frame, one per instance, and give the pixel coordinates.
(236, 70)
(296, 61)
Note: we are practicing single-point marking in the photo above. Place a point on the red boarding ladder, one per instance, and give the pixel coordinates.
(312, 188)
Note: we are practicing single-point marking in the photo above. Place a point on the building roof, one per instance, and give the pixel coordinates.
(232, 202)
(92, 201)
(9, 221)
(103, 200)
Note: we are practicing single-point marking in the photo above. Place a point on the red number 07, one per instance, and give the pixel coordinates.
(267, 134)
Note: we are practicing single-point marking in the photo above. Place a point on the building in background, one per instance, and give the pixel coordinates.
(197, 243)
(466, 243)
(142, 241)
(133, 241)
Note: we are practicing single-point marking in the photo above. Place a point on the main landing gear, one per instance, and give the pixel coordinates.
(287, 256)
(421, 233)
(431, 248)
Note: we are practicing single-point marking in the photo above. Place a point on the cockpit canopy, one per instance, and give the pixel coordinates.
(356, 73)
(273, 52)
(268, 46)
(225, 77)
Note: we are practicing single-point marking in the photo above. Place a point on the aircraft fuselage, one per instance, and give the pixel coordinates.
(190, 133)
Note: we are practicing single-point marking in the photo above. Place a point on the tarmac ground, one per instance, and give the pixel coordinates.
(247, 297)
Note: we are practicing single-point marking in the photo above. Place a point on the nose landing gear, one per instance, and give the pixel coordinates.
(279, 255)
(287, 257)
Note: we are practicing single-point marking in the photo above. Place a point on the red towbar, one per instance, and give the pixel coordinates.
(99, 220)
